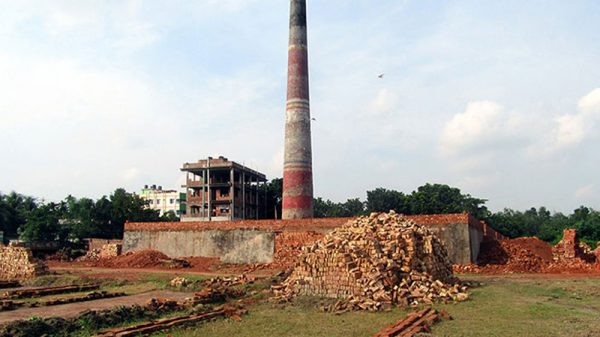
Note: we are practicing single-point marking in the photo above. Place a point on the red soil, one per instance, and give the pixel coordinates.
(199, 263)
(141, 259)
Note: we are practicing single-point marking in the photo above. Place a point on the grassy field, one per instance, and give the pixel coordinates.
(503, 306)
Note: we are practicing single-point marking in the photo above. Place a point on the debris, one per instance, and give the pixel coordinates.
(532, 255)
(213, 295)
(162, 304)
(228, 281)
(372, 261)
(413, 324)
(179, 282)
(147, 328)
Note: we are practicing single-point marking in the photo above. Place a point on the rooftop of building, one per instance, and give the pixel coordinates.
(156, 189)
(221, 163)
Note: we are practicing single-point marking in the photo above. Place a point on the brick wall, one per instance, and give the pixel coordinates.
(291, 235)
(296, 224)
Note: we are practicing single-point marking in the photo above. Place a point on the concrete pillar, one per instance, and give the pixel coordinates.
(209, 192)
(297, 166)
(243, 195)
(203, 194)
(232, 194)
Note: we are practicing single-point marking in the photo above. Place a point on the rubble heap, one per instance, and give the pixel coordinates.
(572, 255)
(532, 255)
(570, 248)
(374, 260)
(528, 254)
(17, 263)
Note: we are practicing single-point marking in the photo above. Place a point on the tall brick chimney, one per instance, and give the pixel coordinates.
(297, 165)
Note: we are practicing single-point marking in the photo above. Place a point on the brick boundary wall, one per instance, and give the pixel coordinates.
(307, 224)
(450, 226)
(295, 224)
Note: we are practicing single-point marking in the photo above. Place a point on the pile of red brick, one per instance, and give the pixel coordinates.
(371, 261)
(288, 245)
(572, 255)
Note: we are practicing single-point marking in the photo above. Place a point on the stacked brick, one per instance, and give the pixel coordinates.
(110, 250)
(17, 263)
(372, 261)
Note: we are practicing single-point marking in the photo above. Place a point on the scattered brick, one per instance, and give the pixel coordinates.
(413, 324)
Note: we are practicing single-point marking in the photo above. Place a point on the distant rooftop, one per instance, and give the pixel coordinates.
(220, 163)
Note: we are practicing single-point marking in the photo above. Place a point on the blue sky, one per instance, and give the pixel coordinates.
(498, 98)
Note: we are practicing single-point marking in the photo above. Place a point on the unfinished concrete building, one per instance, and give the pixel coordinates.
(222, 190)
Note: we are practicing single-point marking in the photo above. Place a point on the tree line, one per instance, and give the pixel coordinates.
(443, 199)
(73, 218)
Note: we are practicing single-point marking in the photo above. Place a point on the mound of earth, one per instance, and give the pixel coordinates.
(142, 259)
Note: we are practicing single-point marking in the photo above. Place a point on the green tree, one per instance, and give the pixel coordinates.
(14, 208)
(273, 191)
(42, 225)
(442, 199)
(128, 207)
(170, 216)
(383, 200)
(330, 209)
(354, 207)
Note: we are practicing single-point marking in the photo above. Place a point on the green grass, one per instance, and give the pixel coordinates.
(503, 306)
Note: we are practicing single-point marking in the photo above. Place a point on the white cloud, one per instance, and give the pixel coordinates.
(130, 174)
(590, 103)
(41, 91)
(483, 124)
(384, 102)
(585, 192)
(573, 129)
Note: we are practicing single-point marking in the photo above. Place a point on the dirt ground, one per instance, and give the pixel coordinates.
(133, 273)
(73, 309)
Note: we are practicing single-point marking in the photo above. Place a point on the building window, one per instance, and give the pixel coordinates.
(171, 201)
(151, 201)
(158, 201)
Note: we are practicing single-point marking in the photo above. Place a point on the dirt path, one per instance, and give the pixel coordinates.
(73, 309)
(175, 272)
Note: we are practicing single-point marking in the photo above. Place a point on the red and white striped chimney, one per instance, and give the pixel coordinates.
(297, 166)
